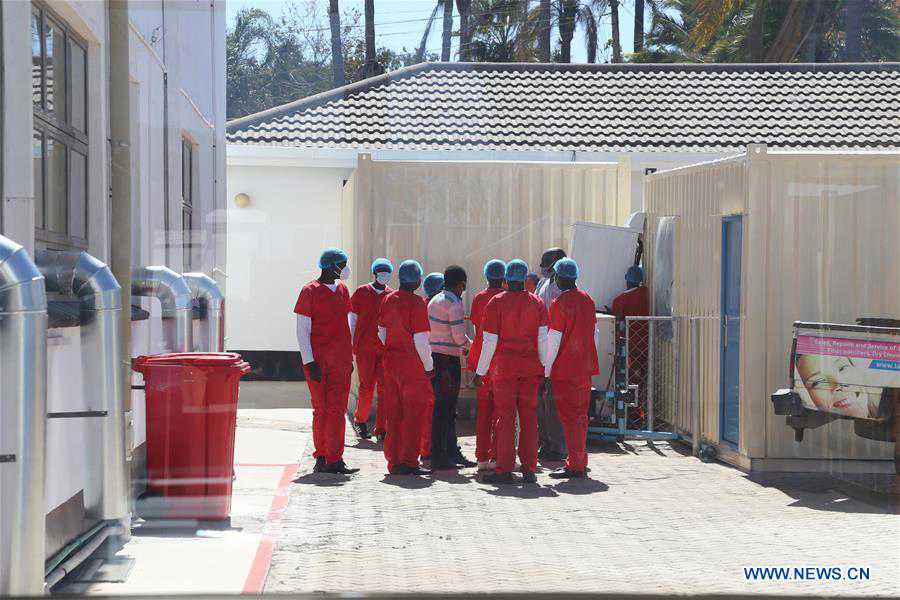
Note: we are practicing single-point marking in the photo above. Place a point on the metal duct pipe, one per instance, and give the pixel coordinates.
(81, 275)
(212, 311)
(23, 406)
(177, 303)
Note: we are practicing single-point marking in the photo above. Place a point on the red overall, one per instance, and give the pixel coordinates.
(516, 370)
(369, 352)
(403, 314)
(573, 315)
(333, 351)
(485, 448)
(635, 303)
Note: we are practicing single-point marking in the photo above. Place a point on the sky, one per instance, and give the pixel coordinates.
(400, 23)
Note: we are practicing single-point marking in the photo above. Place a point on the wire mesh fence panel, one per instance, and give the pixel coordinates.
(652, 350)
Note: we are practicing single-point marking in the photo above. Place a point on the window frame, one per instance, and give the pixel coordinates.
(187, 201)
(51, 124)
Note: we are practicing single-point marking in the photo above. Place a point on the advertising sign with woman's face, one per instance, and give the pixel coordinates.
(845, 376)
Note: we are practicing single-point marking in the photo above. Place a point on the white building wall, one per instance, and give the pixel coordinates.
(274, 246)
(179, 43)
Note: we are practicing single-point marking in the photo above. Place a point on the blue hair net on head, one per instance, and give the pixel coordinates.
(634, 275)
(516, 270)
(384, 263)
(433, 283)
(410, 271)
(566, 268)
(494, 269)
(332, 256)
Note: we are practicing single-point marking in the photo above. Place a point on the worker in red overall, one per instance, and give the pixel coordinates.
(635, 302)
(485, 451)
(571, 362)
(323, 333)
(368, 349)
(513, 347)
(403, 328)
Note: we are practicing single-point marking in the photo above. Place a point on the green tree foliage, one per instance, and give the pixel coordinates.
(272, 61)
(770, 31)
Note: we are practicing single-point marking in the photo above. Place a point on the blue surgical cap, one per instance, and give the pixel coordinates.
(382, 263)
(516, 270)
(410, 271)
(331, 257)
(433, 283)
(495, 269)
(566, 268)
(634, 275)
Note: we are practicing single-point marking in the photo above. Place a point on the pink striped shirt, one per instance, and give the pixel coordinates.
(448, 326)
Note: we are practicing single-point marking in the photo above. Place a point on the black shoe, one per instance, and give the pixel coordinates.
(462, 461)
(420, 471)
(566, 474)
(362, 430)
(443, 465)
(320, 464)
(528, 477)
(501, 478)
(340, 468)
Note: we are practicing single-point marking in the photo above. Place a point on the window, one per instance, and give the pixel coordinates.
(60, 142)
(187, 201)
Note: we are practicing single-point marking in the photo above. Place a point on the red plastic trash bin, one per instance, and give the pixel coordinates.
(191, 415)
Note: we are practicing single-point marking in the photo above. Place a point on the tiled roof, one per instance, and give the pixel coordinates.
(596, 108)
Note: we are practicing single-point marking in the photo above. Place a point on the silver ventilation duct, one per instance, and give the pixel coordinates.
(212, 316)
(176, 300)
(23, 406)
(81, 275)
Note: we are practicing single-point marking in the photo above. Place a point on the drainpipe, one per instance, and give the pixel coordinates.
(23, 406)
(81, 275)
(212, 311)
(177, 303)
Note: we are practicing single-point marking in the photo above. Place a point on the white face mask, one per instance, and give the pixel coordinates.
(345, 273)
(383, 277)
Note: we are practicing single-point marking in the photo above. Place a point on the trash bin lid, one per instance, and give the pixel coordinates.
(192, 359)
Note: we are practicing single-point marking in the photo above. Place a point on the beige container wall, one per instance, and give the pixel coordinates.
(821, 243)
(698, 196)
(465, 213)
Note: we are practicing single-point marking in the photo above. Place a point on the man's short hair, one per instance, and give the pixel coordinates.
(453, 275)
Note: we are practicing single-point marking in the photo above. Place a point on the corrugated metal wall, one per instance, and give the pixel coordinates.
(697, 196)
(465, 213)
(821, 243)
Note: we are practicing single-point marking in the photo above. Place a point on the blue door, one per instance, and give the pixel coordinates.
(732, 233)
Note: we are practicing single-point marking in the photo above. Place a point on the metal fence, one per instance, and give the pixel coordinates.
(652, 355)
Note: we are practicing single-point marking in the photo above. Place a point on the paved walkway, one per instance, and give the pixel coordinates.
(649, 520)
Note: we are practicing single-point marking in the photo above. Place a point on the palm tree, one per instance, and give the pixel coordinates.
(525, 34)
(420, 53)
(448, 30)
(852, 30)
(616, 41)
(465, 29)
(568, 13)
(543, 28)
(245, 64)
(371, 65)
(638, 25)
(337, 53)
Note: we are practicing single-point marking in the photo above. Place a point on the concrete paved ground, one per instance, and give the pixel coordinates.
(649, 520)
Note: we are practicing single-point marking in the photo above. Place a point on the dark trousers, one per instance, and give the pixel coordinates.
(447, 370)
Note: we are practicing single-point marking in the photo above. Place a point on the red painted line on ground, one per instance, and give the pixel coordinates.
(259, 570)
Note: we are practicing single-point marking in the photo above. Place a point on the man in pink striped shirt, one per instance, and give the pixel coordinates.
(449, 342)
